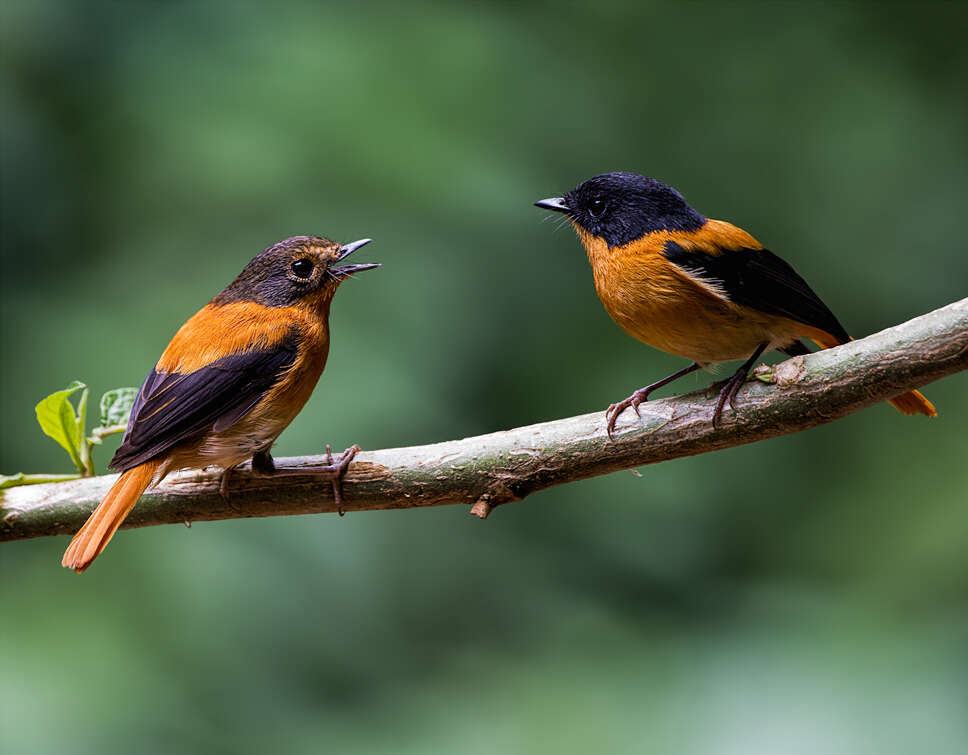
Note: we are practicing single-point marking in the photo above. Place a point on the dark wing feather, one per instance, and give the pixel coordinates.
(758, 279)
(172, 407)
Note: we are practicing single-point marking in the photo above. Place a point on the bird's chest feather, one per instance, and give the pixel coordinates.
(260, 427)
(655, 302)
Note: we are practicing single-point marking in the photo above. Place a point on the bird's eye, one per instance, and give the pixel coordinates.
(302, 268)
(597, 207)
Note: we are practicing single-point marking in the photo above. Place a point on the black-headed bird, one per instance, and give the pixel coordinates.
(694, 287)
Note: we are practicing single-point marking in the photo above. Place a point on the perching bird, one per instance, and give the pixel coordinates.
(697, 288)
(231, 380)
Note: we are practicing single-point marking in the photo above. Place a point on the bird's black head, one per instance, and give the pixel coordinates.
(301, 269)
(623, 207)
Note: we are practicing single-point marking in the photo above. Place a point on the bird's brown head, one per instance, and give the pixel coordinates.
(297, 270)
(623, 207)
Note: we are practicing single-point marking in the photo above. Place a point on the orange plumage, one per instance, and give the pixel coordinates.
(100, 527)
(699, 288)
(230, 381)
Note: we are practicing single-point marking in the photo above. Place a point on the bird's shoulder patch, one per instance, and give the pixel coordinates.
(716, 237)
(219, 330)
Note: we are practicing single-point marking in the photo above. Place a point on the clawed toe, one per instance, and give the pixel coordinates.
(730, 387)
(611, 414)
(728, 390)
(339, 467)
(613, 411)
(223, 488)
(640, 396)
(334, 469)
(637, 398)
(340, 464)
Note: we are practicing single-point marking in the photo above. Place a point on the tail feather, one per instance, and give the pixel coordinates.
(912, 402)
(100, 527)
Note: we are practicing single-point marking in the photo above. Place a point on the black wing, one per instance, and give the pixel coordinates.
(758, 279)
(172, 407)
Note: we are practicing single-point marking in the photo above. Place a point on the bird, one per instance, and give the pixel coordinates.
(695, 287)
(230, 381)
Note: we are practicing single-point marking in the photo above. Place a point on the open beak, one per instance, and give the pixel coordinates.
(556, 204)
(345, 251)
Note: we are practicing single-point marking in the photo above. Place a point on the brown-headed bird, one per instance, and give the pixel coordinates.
(694, 287)
(231, 380)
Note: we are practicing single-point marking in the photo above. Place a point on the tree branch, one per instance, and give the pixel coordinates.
(490, 470)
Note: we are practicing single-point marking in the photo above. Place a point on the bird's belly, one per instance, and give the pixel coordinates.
(702, 327)
(241, 441)
(258, 429)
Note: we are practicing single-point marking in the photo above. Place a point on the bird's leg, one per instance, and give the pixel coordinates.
(795, 348)
(223, 487)
(339, 468)
(642, 394)
(335, 469)
(730, 387)
(262, 463)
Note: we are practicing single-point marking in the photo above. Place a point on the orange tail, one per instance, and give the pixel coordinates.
(912, 402)
(100, 527)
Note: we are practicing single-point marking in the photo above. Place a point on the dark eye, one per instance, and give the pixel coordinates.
(596, 207)
(302, 268)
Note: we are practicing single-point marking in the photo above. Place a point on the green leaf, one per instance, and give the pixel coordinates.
(58, 419)
(116, 406)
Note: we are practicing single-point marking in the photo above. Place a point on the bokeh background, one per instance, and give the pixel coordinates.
(803, 595)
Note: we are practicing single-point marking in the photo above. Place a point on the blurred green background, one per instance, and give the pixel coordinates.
(804, 595)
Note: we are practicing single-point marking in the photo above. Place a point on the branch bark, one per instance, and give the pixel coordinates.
(490, 470)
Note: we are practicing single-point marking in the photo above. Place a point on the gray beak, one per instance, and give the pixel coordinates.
(556, 204)
(345, 251)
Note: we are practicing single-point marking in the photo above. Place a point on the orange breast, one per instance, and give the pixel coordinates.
(234, 330)
(663, 306)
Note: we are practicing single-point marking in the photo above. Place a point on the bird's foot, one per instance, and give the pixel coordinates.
(335, 469)
(642, 394)
(223, 488)
(633, 401)
(728, 389)
(339, 467)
